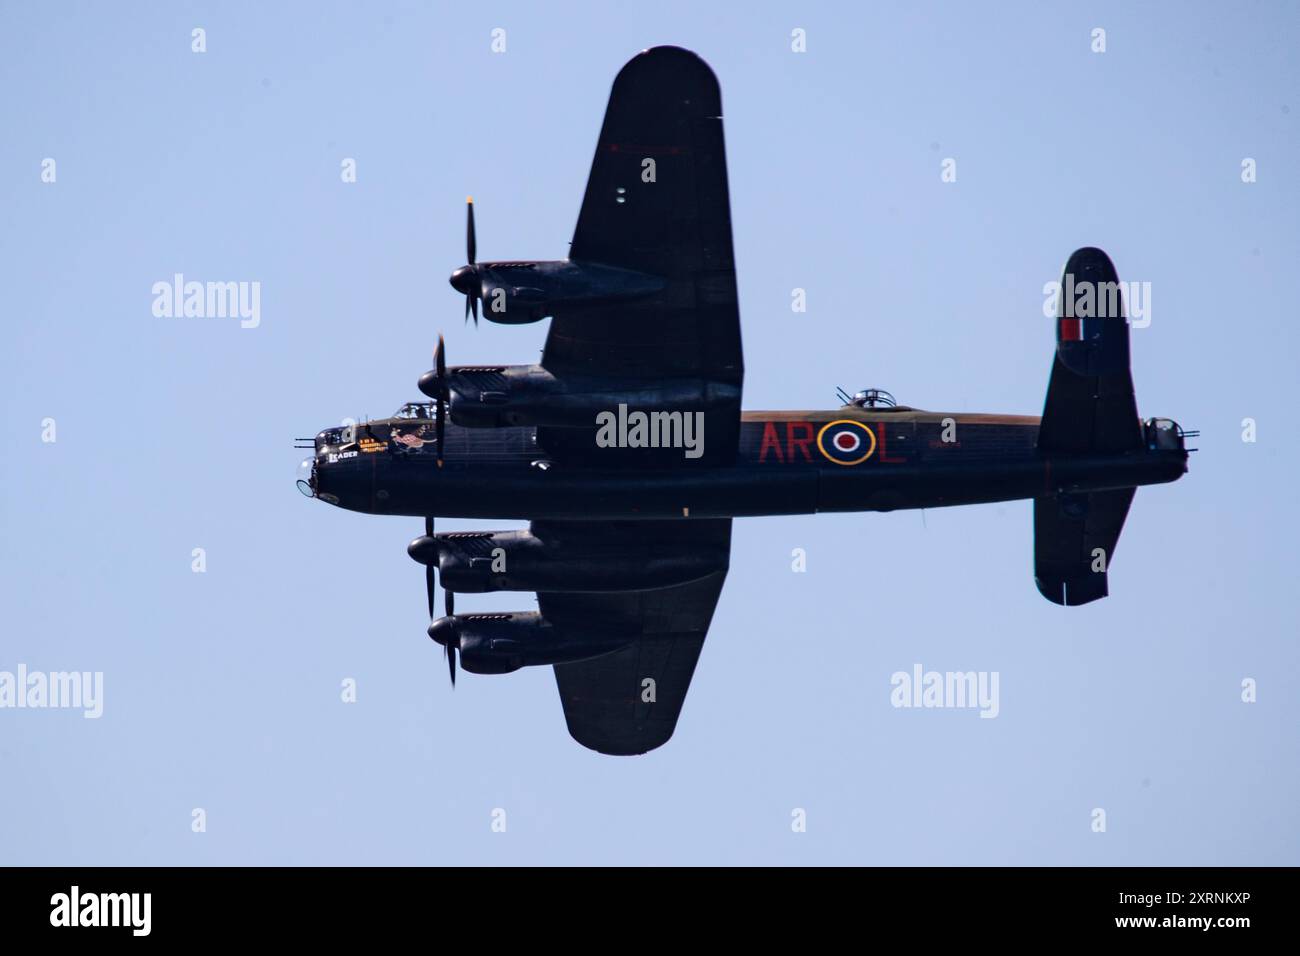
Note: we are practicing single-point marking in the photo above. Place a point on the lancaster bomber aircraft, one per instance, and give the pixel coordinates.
(627, 451)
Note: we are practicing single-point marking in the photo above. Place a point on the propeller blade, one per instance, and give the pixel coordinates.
(442, 394)
(440, 424)
(449, 603)
(471, 243)
(473, 307)
(447, 651)
(468, 300)
(428, 568)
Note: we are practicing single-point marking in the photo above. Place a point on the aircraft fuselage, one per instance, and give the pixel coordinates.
(787, 463)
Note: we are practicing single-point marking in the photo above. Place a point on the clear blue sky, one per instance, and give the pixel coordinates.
(222, 689)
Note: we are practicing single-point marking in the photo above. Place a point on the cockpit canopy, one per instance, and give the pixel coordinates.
(416, 410)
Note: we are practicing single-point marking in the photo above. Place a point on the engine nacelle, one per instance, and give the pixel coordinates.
(480, 561)
(504, 642)
(515, 293)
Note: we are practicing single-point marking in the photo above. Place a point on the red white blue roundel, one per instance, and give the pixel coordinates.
(846, 442)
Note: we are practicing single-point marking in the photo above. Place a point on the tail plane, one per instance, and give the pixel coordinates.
(1090, 410)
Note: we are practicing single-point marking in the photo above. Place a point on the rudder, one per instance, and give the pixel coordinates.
(1090, 403)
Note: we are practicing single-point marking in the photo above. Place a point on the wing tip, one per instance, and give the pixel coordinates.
(1073, 592)
(668, 51)
(676, 67)
(640, 741)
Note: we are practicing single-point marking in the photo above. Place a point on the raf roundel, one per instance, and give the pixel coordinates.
(846, 442)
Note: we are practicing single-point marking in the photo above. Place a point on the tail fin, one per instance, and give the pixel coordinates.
(1090, 409)
(1074, 542)
(1090, 404)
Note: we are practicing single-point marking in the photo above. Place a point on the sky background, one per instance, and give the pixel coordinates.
(222, 689)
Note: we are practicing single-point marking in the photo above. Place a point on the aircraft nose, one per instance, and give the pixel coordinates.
(462, 280)
(307, 477)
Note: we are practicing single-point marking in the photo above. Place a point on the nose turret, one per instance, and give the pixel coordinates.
(333, 474)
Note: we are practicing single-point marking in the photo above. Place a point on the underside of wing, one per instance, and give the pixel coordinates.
(628, 701)
(657, 203)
